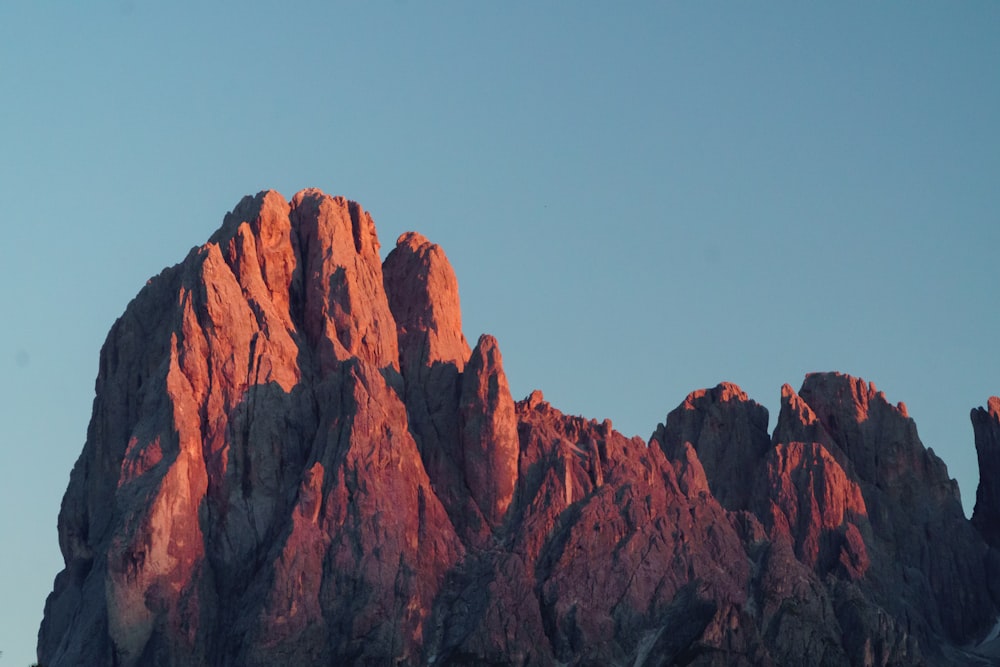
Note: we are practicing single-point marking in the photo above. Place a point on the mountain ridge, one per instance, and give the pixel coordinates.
(295, 456)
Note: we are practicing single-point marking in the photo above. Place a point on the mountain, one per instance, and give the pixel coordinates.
(296, 458)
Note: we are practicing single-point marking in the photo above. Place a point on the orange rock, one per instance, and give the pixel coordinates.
(488, 431)
(295, 458)
(811, 500)
(423, 295)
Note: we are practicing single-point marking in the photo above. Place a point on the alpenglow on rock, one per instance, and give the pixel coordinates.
(295, 458)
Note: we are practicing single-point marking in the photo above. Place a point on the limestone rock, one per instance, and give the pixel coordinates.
(423, 297)
(488, 432)
(986, 516)
(811, 500)
(586, 495)
(728, 432)
(295, 458)
(798, 423)
(917, 526)
(249, 484)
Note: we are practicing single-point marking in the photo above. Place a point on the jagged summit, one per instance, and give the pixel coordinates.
(295, 457)
(423, 295)
(986, 425)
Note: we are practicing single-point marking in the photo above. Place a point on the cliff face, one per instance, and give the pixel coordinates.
(249, 487)
(296, 458)
(986, 426)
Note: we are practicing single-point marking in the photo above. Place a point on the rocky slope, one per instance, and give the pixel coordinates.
(296, 458)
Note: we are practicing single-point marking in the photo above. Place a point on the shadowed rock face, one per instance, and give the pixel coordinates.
(296, 458)
(423, 297)
(986, 425)
(914, 508)
(250, 492)
(729, 433)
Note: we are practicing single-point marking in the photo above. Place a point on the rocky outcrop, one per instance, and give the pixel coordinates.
(423, 296)
(808, 496)
(234, 502)
(795, 488)
(844, 488)
(811, 501)
(729, 433)
(296, 458)
(488, 430)
(926, 561)
(986, 426)
(671, 567)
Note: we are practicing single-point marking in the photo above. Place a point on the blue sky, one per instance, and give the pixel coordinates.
(639, 201)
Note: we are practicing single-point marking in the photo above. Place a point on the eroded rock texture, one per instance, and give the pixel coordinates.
(986, 426)
(250, 492)
(296, 458)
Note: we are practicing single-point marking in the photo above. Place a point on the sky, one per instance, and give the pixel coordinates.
(639, 200)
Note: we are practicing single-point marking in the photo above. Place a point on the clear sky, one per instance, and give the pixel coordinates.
(639, 199)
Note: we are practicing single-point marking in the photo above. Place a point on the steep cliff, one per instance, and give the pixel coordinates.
(296, 458)
(986, 426)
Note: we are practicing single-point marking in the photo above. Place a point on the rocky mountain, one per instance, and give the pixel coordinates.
(295, 458)
(986, 516)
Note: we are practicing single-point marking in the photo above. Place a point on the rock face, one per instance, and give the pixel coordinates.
(488, 432)
(250, 492)
(729, 433)
(914, 509)
(986, 425)
(296, 458)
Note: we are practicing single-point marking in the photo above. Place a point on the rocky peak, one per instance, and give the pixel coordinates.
(244, 420)
(423, 296)
(295, 458)
(345, 312)
(488, 431)
(720, 393)
(798, 423)
(847, 393)
(728, 432)
(878, 439)
(907, 493)
(986, 426)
